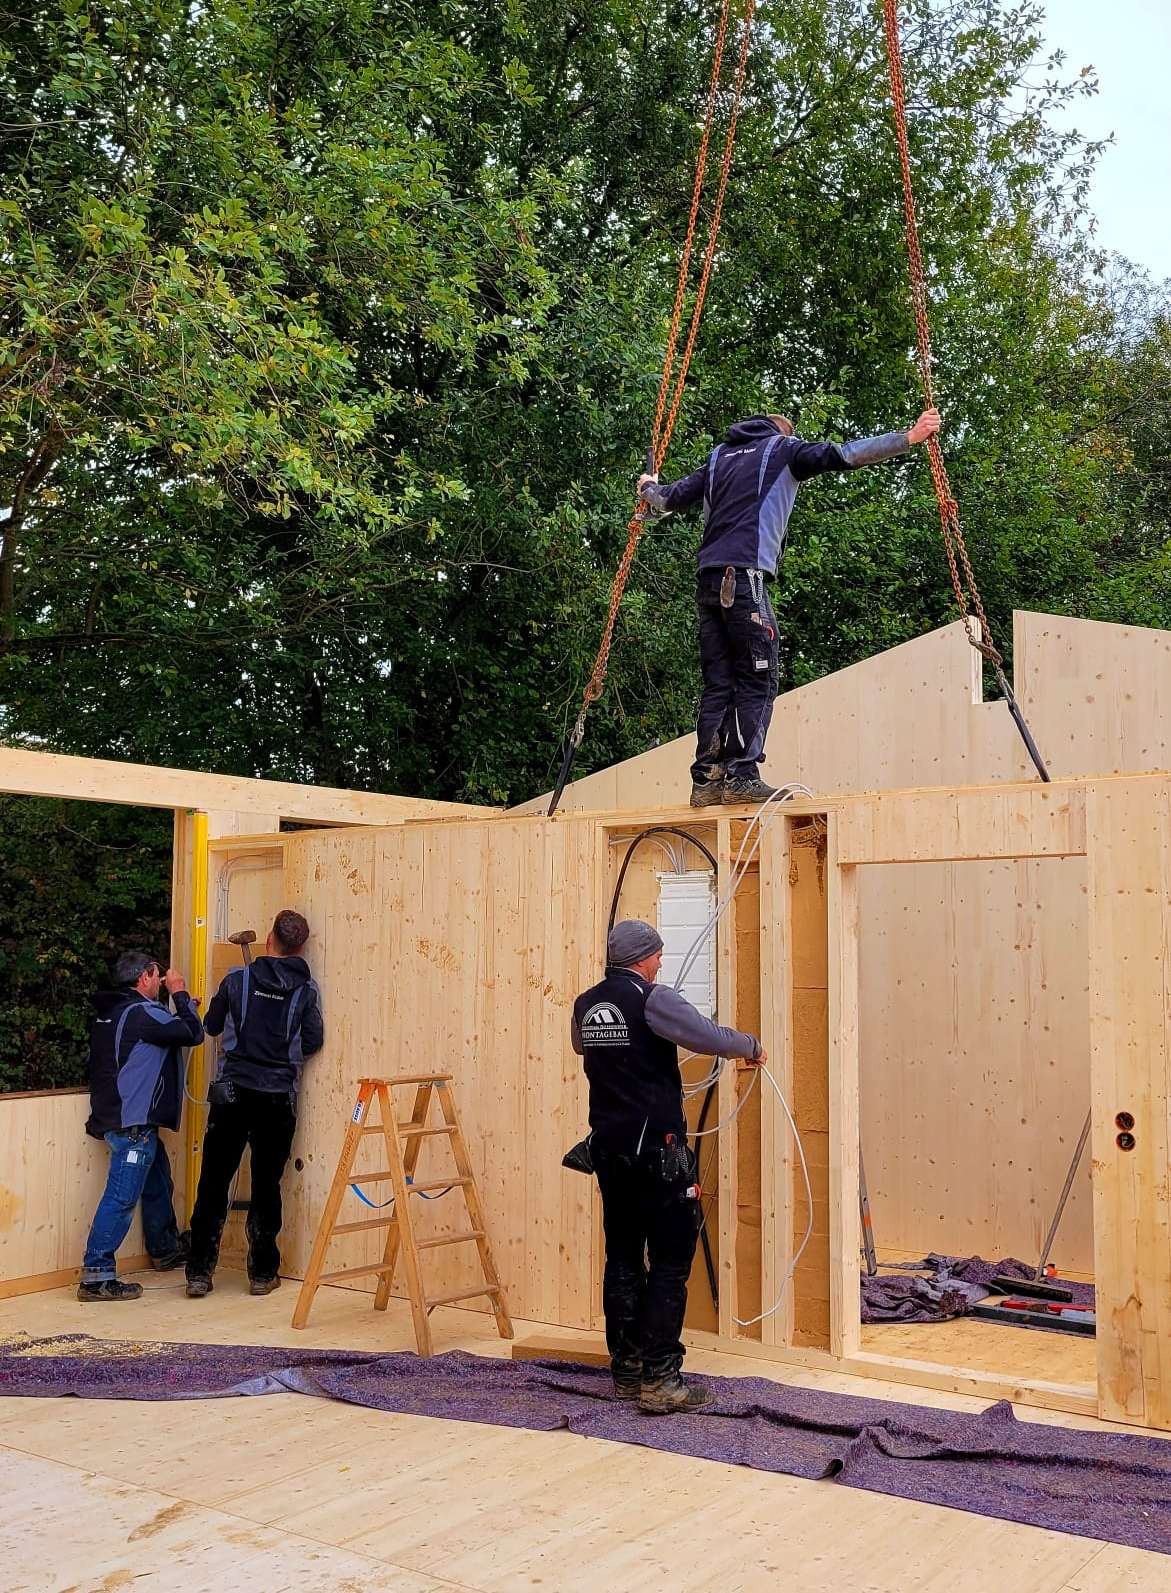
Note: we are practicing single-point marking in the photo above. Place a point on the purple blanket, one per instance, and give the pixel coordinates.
(1112, 1486)
(941, 1287)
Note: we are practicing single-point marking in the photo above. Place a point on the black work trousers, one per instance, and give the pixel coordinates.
(651, 1232)
(738, 657)
(265, 1123)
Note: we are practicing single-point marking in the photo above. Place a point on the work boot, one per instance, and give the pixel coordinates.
(198, 1287)
(668, 1395)
(628, 1386)
(263, 1285)
(177, 1257)
(108, 1289)
(754, 790)
(706, 793)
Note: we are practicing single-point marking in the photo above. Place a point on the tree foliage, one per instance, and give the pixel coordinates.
(330, 332)
(79, 883)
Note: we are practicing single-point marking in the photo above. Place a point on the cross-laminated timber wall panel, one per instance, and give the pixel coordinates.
(1097, 697)
(464, 944)
(459, 947)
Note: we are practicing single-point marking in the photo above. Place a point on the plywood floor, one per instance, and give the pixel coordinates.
(288, 1493)
(1013, 1352)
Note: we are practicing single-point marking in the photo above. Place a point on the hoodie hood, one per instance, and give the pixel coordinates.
(106, 1001)
(279, 973)
(756, 428)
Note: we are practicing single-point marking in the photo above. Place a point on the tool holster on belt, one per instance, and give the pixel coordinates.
(221, 1092)
(728, 587)
(676, 1161)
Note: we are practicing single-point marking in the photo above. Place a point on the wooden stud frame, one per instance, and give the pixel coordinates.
(519, 903)
(1122, 827)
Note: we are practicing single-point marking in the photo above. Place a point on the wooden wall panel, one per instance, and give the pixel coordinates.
(1098, 698)
(51, 1180)
(459, 948)
(975, 1070)
(1130, 1037)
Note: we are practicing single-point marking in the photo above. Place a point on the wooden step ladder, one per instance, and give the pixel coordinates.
(400, 1238)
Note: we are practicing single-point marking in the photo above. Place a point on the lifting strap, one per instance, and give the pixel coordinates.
(673, 379)
(671, 384)
(963, 580)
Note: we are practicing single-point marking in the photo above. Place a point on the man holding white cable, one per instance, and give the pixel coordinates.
(628, 1030)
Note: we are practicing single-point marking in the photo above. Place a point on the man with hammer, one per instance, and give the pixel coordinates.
(269, 1014)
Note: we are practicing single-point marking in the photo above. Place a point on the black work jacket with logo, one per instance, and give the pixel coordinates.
(636, 1091)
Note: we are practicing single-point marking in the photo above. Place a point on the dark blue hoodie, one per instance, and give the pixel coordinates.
(270, 1017)
(135, 1065)
(747, 486)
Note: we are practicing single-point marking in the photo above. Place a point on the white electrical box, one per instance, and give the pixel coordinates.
(686, 904)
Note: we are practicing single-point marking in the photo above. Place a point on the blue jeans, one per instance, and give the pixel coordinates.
(139, 1171)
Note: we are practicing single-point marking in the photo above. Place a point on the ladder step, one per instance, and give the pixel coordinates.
(444, 1239)
(415, 1130)
(414, 1078)
(360, 1227)
(353, 1272)
(374, 1178)
(461, 1294)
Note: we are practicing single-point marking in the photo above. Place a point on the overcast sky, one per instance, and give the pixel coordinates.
(1129, 44)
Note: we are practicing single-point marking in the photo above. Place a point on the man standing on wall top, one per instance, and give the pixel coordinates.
(628, 1030)
(747, 486)
(269, 1013)
(135, 1071)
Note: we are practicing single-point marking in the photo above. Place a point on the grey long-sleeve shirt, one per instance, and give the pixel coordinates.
(672, 1017)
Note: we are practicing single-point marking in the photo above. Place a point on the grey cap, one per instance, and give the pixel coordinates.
(631, 941)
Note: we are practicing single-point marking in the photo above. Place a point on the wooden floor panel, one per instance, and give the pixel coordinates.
(1011, 1352)
(283, 1491)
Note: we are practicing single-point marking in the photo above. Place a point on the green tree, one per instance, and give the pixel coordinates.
(389, 568)
(79, 882)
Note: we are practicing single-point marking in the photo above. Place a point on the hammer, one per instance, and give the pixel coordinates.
(244, 938)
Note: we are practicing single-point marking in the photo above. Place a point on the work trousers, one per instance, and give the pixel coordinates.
(651, 1232)
(139, 1171)
(265, 1123)
(738, 658)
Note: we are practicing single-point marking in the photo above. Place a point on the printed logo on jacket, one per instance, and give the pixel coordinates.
(604, 1025)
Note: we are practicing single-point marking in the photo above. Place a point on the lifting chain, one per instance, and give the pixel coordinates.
(963, 579)
(674, 378)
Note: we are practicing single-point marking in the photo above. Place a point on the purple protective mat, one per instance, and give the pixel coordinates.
(941, 1287)
(1112, 1486)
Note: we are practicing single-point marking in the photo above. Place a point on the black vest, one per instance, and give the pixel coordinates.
(633, 1073)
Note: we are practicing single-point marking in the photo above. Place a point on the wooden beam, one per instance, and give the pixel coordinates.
(1130, 1060)
(51, 774)
(727, 1095)
(968, 824)
(776, 1034)
(844, 1231)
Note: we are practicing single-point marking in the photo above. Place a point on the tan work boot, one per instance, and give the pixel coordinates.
(669, 1395)
(706, 793)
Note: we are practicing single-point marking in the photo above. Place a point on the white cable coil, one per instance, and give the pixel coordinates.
(742, 862)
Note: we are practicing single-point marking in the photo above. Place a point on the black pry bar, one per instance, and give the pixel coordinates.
(1022, 724)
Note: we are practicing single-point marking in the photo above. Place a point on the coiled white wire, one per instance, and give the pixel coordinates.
(755, 828)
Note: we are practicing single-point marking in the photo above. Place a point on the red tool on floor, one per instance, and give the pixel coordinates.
(1020, 1312)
